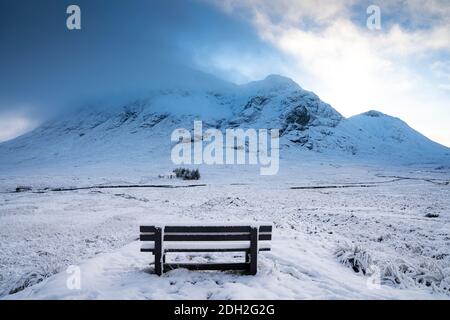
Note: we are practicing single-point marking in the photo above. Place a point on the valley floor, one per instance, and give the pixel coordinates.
(380, 213)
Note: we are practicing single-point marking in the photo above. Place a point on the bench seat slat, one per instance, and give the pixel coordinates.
(147, 237)
(206, 266)
(214, 250)
(151, 229)
(205, 250)
(213, 237)
(190, 229)
(265, 228)
(205, 237)
(207, 229)
(205, 247)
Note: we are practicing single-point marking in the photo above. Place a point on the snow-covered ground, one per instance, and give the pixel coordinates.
(380, 210)
(366, 193)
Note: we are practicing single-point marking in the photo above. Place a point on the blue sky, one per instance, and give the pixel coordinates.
(402, 69)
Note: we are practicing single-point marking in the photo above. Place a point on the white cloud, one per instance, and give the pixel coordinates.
(288, 11)
(354, 68)
(13, 126)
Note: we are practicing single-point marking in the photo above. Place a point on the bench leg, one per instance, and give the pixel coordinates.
(253, 251)
(158, 252)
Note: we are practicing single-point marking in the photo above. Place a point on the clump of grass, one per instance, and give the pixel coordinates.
(187, 174)
(27, 279)
(354, 257)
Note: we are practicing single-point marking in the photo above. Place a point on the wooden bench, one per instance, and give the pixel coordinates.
(212, 238)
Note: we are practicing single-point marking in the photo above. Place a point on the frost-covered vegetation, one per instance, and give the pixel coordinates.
(354, 257)
(327, 243)
(397, 272)
(187, 174)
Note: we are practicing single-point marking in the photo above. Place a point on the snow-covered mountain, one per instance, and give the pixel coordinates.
(139, 129)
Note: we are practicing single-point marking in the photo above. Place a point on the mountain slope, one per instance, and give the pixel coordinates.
(140, 130)
(384, 134)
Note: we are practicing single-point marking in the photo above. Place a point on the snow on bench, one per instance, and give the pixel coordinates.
(250, 239)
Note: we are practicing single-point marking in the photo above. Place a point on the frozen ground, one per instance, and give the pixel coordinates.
(380, 211)
(338, 224)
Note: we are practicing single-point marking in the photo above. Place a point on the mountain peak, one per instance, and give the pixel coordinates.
(374, 114)
(276, 78)
(378, 116)
(273, 82)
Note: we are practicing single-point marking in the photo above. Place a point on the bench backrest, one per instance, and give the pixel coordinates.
(206, 233)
